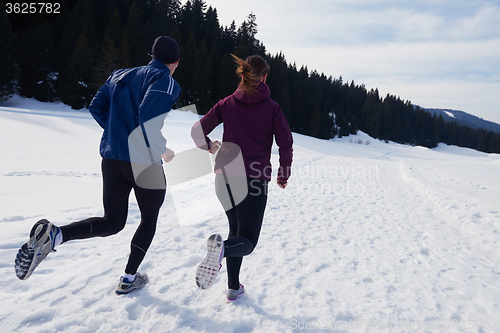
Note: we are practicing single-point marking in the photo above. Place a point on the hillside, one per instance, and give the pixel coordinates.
(465, 119)
(69, 58)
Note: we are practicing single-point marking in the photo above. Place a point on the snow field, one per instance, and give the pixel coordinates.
(366, 238)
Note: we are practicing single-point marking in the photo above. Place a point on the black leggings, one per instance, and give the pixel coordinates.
(245, 222)
(118, 181)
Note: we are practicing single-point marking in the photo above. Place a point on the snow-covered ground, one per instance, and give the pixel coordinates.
(367, 237)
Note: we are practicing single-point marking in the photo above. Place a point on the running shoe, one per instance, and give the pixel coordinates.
(125, 286)
(41, 243)
(233, 295)
(207, 270)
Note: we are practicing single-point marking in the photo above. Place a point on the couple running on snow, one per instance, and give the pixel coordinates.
(131, 107)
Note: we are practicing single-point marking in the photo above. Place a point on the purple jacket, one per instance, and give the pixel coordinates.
(250, 122)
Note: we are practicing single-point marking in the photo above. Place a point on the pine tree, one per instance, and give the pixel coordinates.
(8, 52)
(161, 18)
(68, 28)
(314, 123)
(228, 39)
(37, 78)
(494, 144)
(397, 129)
(188, 70)
(114, 29)
(277, 80)
(374, 127)
(370, 106)
(247, 41)
(212, 31)
(136, 38)
(191, 19)
(408, 135)
(77, 76)
(125, 57)
(484, 139)
(203, 81)
(109, 60)
(225, 78)
(114, 53)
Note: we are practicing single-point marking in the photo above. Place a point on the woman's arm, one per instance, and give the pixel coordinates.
(203, 127)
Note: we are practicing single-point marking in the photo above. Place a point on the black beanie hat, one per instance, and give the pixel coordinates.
(166, 50)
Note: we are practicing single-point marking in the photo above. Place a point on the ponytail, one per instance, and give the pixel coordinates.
(251, 71)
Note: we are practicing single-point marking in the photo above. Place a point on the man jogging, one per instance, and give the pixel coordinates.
(130, 107)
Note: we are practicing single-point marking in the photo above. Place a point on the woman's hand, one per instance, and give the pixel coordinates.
(214, 147)
(281, 183)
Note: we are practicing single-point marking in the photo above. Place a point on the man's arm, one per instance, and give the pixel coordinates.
(99, 107)
(157, 102)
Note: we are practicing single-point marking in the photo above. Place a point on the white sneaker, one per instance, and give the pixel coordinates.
(125, 286)
(233, 295)
(207, 270)
(41, 243)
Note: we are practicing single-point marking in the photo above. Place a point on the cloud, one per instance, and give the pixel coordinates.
(478, 60)
(460, 75)
(361, 22)
(432, 52)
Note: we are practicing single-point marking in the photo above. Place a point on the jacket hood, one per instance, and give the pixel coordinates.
(262, 93)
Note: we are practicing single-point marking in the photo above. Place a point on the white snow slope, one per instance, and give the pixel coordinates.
(366, 238)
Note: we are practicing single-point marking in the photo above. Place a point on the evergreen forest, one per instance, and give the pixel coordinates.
(69, 58)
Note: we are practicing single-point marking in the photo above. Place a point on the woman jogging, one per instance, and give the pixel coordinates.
(130, 107)
(251, 120)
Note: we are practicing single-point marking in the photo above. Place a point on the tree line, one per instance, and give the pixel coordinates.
(71, 57)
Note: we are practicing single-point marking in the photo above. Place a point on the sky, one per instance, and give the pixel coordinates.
(434, 53)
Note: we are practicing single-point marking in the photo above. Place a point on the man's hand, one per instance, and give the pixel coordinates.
(214, 147)
(168, 155)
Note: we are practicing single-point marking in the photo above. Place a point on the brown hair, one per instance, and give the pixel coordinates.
(251, 71)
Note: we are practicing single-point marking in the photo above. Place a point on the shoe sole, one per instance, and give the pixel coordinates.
(208, 269)
(31, 253)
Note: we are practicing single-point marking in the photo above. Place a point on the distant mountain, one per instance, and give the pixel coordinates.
(463, 118)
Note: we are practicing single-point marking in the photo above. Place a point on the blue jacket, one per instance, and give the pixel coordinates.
(130, 99)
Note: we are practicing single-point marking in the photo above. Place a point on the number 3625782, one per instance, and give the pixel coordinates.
(33, 8)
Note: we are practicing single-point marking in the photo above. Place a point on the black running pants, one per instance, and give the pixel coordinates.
(118, 181)
(245, 222)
